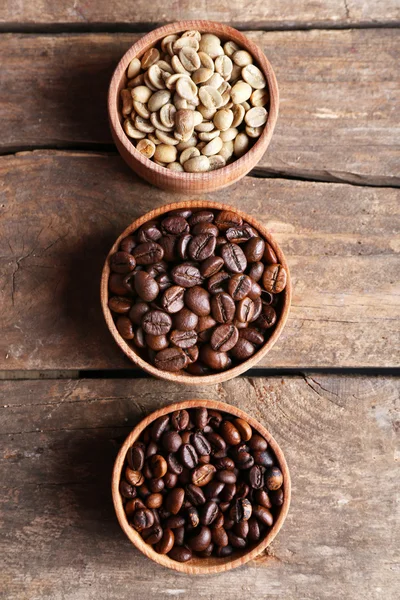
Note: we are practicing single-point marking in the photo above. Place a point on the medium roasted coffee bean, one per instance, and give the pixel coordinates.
(244, 429)
(181, 212)
(273, 478)
(256, 477)
(193, 515)
(243, 349)
(148, 253)
(133, 505)
(187, 435)
(261, 497)
(215, 360)
(227, 477)
(257, 442)
(202, 246)
(158, 428)
(239, 235)
(211, 266)
(267, 318)
(146, 286)
(213, 489)
(174, 500)
(169, 245)
(174, 466)
(135, 457)
(170, 479)
(180, 554)
(263, 514)
(122, 262)
(255, 291)
(152, 446)
(223, 308)
(224, 463)
(166, 543)
(234, 258)
(219, 537)
(269, 255)
(186, 275)
(201, 444)
(254, 249)
(154, 500)
(188, 456)
(242, 490)
(229, 432)
(156, 485)
(192, 353)
(197, 299)
(201, 228)
(257, 309)
(239, 286)
(229, 491)
(252, 335)
(156, 322)
(209, 512)
(205, 323)
(158, 465)
(200, 540)
(201, 216)
(195, 494)
(183, 339)
(170, 359)
(236, 541)
(245, 310)
(207, 552)
(171, 441)
(203, 475)
(217, 442)
(224, 338)
(185, 320)
(163, 281)
(227, 219)
(133, 477)
(125, 328)
(152, 535)
(256, 271)
(219, 519)
(157, 342)
(127, 490)
(180, 419)
(173, 299)
(274, 278)
(241, 510)
(218, 282)
(200, 416)
(241, 529)
(254, 530)
(263, 457)
(142, 519)
(182, 246)
(174, 225)
(119, 305)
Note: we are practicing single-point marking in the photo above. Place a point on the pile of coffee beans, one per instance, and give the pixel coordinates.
(194, 103)
(201, 481)
(196, 290)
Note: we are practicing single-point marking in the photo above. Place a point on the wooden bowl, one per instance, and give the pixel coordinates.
(190, 182)
(181, 377)
(200, 566)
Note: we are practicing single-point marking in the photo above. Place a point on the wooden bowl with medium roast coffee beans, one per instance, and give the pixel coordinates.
(193, 106)
(201, 487)
(196, 292)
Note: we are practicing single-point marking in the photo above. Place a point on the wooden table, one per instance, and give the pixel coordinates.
(329, 390)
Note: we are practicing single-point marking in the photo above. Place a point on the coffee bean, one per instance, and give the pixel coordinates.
(256, 477)
(126, 490)
(263, 457)
(142, 519)
(122, 262)
(146, 286)
(180, 554)
(174, 225)
(119, 305)
(158, 465)
(209, 513)
(273, 478)
(201, 228)
(239, 286)
(277, 497)
(201, 416)
(168, 244)
(174, 500)
(257, 309)
(116, 284)
(254, 249)
(156, 322)
(224, 463)
(180, 419)
(182, 246)
(193, 515)
(197, 300)
(157, 429)
(186, 275)
(243, 349)
(202, 246)
(185, 320)
(234, 258)
(267, 318)
(201, 444)
(244, 429)
(156, 485)
(128, 244)
(149, 232)
(257, 442)
(135, 457)
(242, 490)
(152, 446)
(210, 266)
(252, 335)
(263, 515)
(218, 282)
(165, 545)
(195, 494)
(235, 541)
(133, 477)
(183, 339)
(200, 540)
(254, 530)
(171, 441)
(239, 235)
(174, 466)
(179, 534)
(125, 328)
(256, 271)
(216, 441)
(245, 310)
(215, 360)
(138, 311)
(148, 253)
(241, 529)
(152, 535)
(192, 353)
(188, 456)
(201, 216)
(241, 510)
(274, 278)
(219, 537)
(227, 477)
(224, 338)
(227, 219)
(223, 552)
(154, 500)
(261, 497)
(170, 359)
(173, 299)
(213, 489)
(156, 342)
(202, 475)
(222, 308)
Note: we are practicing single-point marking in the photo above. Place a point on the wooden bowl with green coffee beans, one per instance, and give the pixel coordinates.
(193, 106)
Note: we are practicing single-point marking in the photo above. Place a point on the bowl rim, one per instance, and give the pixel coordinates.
(226, 563)
(138, 48)
(181, 377)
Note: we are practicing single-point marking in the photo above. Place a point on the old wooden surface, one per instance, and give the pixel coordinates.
(60, 535)
(339, 93)
(61, 212)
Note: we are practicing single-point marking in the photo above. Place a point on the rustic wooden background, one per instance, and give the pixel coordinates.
(328, 188)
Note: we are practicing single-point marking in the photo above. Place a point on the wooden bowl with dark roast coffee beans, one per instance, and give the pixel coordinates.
(200, 487)
(195, 292)
(193, 105)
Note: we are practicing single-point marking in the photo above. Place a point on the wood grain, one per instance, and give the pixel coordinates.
(81, 14)
(60, 535)
(339, 92)
(341, 242)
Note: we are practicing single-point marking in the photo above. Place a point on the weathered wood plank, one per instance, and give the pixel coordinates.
(61, 212)
(61, 538)
(339, 90)
(258, 14)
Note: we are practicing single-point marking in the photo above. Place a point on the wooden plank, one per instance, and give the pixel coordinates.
(304, 13)
(61, 211)
(339, 90)
(60, 535)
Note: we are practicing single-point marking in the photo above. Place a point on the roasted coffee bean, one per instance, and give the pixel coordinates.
(125, 328)
(242, 490)
(171, 441)
(224, 463)
(261, 497)
(215, 360)
(174, 466)
(209, 512)
(239, 286)
(257, 442)
(119, 305)
(174, 225)
(166, 543)
(252, 335)
(135, 457)
(156, 322)
(197, 299)
(174, 500)
(235, 541)
(219, 519)
(267, 318)
(222, 308)
(152, 446)
(156, 485)
(195, 494)
(200, 540)
(241, 510)
(146, 286)
(209, 228)
(274, 278)
(218, 282)
(256, 271)
(158, 465)
(158, 428)
(142, 519)
(254, 530)
(254, 249)
(193, 516)
(241, 529)
(201, 444)
(169, 245)
(157, 342)
(244, 429)
(219, 537)
(187, 435)
(207, 552)
(163, 281)
(116, 284)
(255, 291)
(183, 339)
(224, 338)
(192, 353)
(127, 490)
(200, 416)
(182, 246)
(179, 534)
(152, 535)
(217, 442)
(173, 299)
(263, 514)
(245, 310)
(257, 309)
(133, 505)
(234, 258)
(213, 489)
(180, 419)
(229, 491)
(263, 457)
(170, 479)
(203, 474)
(149, 232)
(138, 311)
(186, 275)
(277, 497)
(133, 477)
(201, 216)
(202, 246)
(227, 219)
(239, 235)
(148, 253)
(185, 320)
(229, 432)
(128, 244)
(180, 554)
(273, 478)
(243, 349)
(154, 500)
(188, 456)
(226, 476)
(256, 477)
(223, 551)
(269, 255)
(170, 359)
(122, 262)
(210, 266)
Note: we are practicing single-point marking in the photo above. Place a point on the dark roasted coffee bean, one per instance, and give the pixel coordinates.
(185, 320)
(256, 271)
(254, 530)
(261, 497)
(229, 432)
(273, 478)
(156, 485)
(263, 515)
(245, 461)
(152, 535)
(116, 284)
(127, 244)
(147, 472)
(257, 442)
(169, 246)
(269, 255)
(195, 494)
(255, 291)
(239, 286)
(241, 529)
(227, 219)
(221, 240)
(218, 282)
(193, 516)
(215, 360)
(209, 228)
(148, 253)
(209, 512)
(243, 349)
(201, 416)
(170, 479)
(174, 521)
(207, 552)
(223, 308)
(239, 235)
(203, 474)
(186, 435)
(182, 246)
(119, 305)
(256, 477)
(217, 442)
(202, 246)
(125, 328)
(157, 342)
(174, 500)
(138, 311)
(186, 275)
(142, 519)
(152, 447)
(267, 318)
(219, 519)
(213, 489)
(183, 339)
(253, 335)
(188, 456)
(166, 543)
(241, 510)
(267, 299)
(157, 269)
(154, 500)
(223, 552)
(179, 534)
(235, 541)
(227, 477)
(211, 266)
(197, 299)
(205, 323)
(135, 457)
(201, 444)
(242, 490)
(254, 249)
(171, 441)
(181, 212)
(180, 554)
(234, 258)
(133, 505)
(180, 419)
(158, 427)
(229, 491)
(174, 225)
(244, 429)
(158, 465)
(173, 299)
(122, 262)
(156, 322)
(201, 216)
(224, 463)
(245, 310)
(146, 286)
(219, 537)
(200, 540)
(149, 232)
(163, 281)
(224, 338)
(274, 278)
(263, 457)
(171, 360)
(277, 497)
(127, 490)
